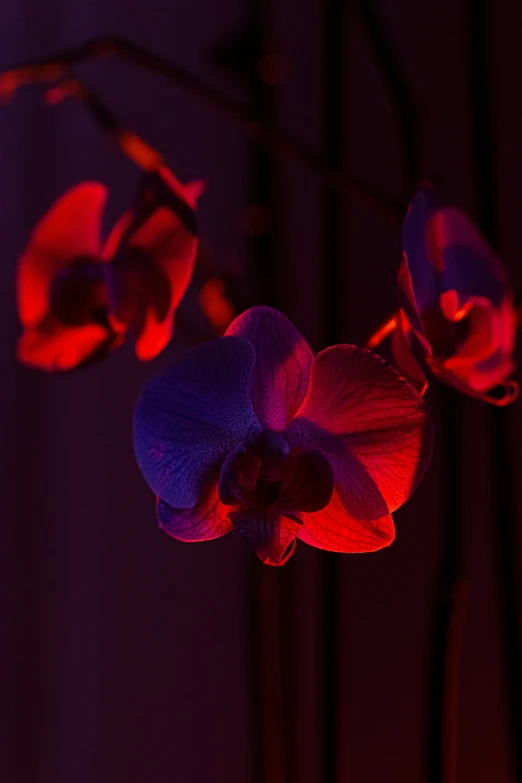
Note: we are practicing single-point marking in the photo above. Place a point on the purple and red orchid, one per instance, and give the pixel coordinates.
(251, 432)
(77, 299)
(456, 316)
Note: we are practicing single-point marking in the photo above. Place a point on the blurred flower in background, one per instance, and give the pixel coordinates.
(78, 299)
(457, 316)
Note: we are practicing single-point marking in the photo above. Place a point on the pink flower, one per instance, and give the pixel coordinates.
(77, 298)
(457, 316)
(251, 432)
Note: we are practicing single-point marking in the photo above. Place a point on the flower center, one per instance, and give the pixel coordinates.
(269, 485)
(136, 284)
(445, 336)
(78, 295)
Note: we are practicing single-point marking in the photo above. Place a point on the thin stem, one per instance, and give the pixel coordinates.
(449, 605)
(133, 146)
(504, 519)
(400, 90)
(54, 67)
(264, 252)
(335, 20)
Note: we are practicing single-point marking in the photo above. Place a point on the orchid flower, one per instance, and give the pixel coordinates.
(456, 305)
(78, 299)
(250, 431)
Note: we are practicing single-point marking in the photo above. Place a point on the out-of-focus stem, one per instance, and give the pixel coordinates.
(133, 146)
(56, 67)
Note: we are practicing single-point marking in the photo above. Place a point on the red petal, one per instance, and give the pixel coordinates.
(336, 531)
(484, 360)
(469, 264)
(503, 394)
(55, 347)
(215, 304)
(409, 305)
(116, 235)
(490, 330)
(405, 360)
(206, 520)
(167, 244)
(188, 191)
(69, 230)
(372, 426)
(283, 361)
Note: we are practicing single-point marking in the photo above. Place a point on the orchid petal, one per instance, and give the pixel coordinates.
(416, 248)
(283, 361)
(469, 265)
(150, 274)
(476, 382)
(484, 360)
(153, 250)
(206, 520)
(53, 346)
(168, 244)
(189, 192)
(70, 230)
(406, 362)
(503, 394)
(190, 416)
(489, 388)
(116, 235)
(409, 307)
(483, 339)
(334, 530)
(370, 424)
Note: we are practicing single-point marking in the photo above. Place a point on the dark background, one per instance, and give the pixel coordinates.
(128, 656)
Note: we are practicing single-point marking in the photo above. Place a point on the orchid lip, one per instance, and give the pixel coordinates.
(286, 555)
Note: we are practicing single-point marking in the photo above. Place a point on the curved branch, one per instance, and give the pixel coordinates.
(55, 67)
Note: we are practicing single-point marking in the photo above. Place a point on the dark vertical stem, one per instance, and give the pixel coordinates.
(504, 500)
(449, 602)
(264, 175)
(253, 611)
(264, 252)
(334, 21)
(334, 133)
(396, 83)
(444, 664)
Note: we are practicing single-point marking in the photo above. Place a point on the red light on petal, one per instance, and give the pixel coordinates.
(334, 530)
(57, 348)
(353, 398)
(218, 309)
(69, 230)
(382, 333)
(189, 192)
